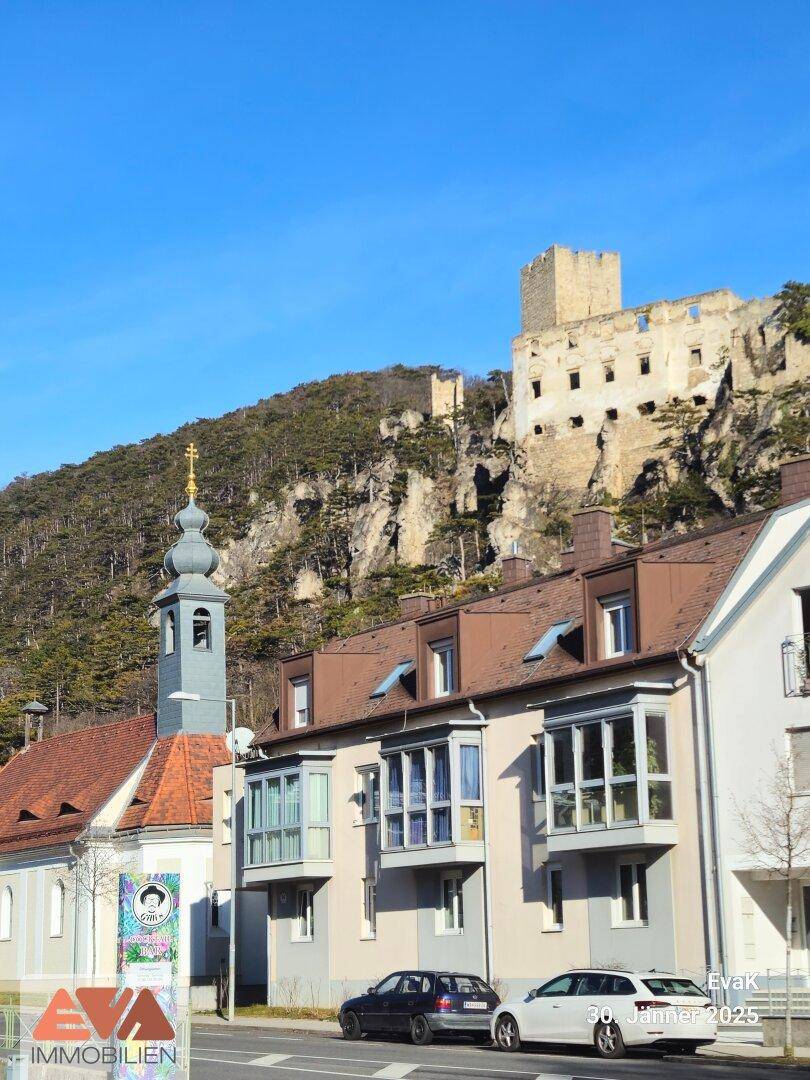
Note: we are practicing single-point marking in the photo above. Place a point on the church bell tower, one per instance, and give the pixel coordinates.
(192, 628)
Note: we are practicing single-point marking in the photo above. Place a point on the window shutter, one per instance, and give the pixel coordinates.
(800, 753)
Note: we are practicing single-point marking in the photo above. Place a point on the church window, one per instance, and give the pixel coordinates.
(168, 633)
(6, 909)
(201, 630)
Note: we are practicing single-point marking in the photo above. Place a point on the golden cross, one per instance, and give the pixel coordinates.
(192, 453)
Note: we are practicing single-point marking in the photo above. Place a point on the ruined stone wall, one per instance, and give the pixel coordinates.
(562, 285)
(446, 395)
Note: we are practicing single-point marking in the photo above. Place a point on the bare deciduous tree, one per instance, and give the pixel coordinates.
(96, 869)
(775, 826)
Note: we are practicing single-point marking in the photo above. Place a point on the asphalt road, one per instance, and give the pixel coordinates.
(254, 1052)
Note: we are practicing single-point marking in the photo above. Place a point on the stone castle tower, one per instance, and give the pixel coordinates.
(192, 630)
(589, 375)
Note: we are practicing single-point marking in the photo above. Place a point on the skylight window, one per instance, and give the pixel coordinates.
(389, 680)
(543, 647)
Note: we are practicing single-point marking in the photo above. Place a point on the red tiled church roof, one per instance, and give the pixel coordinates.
(81, 769)
(176, 786)
(61, 783)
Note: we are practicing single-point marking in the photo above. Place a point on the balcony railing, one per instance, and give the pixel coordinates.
(796, 665)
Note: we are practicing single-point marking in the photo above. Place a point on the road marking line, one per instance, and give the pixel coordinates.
(287, 1068)
(395, 1071)
(269, 1059)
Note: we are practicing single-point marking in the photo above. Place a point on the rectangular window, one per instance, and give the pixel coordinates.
(451, 911)
(610, 373)
(695, 358)
(472, 806)
(592, 807)
(318, 828)
(631, 893)
(659, 783)
(440, 797)
(554, 898)
(303, 927)
(369, 792)
(563, 807)
(617, 626)
(644, 365)
(800, 760)
(573, 380)
(539, 769)
(301, 701)
(643, 323)
(369, 908)
(537, 388)
(417, 798)
(227, 811)
(394, 818)
(623, 778)
(694, 311)
(443, 675)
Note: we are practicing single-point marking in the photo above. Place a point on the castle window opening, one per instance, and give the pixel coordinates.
(699, 399)
(572, 343)
(644, 365)
(537, 387)
(573, 379)
(612, 414)
(646, 408)
(643, 323)
(576, 421)
(695, 358)
(610, 373)
(694, 311)
(538, 429)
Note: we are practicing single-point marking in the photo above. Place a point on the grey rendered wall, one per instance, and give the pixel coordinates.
(644, 947)
(301, 967)
(193, 670)
(450, 952)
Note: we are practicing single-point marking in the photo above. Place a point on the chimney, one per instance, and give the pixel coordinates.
(593, 541)
(795, 478)
(414, 605)
(515, 567)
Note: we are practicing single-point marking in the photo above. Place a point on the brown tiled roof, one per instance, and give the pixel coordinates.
(541, 602)
(80, 769)
(176, 786)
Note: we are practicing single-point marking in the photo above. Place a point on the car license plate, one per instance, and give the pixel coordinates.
(475, 1005)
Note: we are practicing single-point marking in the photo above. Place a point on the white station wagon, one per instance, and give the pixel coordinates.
(609, 1010)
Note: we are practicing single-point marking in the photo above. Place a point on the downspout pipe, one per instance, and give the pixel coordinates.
(488, 933)
(699, 672)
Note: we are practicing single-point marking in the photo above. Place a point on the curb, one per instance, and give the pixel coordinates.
(274, 1023)
(740, 1062)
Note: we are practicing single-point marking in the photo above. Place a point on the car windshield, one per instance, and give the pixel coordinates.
(683, 987)
(463, 984)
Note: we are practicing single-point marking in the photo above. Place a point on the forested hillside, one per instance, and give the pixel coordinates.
(326, 503)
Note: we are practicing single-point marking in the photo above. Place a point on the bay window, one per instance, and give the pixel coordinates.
(433, 794)
(287, 816)
(608, 771)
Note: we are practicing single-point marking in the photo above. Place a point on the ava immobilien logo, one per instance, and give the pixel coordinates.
(101, 1012)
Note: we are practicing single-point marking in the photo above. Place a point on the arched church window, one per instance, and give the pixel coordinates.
(57, 909)
(168, 633)
(6, 909)
(201, 630)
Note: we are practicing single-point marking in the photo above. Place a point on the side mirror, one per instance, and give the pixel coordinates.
(371, 990)
(532, 994)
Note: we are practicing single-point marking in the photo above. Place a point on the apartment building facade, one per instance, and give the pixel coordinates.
(511, 786)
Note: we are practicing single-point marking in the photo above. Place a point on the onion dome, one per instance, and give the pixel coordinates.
(191, 554)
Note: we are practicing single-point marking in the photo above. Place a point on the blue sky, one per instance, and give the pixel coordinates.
(203, 204)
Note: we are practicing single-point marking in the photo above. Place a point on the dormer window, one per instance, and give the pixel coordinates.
(301, 692)
(617, 624)
(168, 633)
(443, 662)
(201, 630)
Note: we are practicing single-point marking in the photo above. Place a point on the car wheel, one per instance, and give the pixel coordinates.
(421, 1034)
(351, 1026)
(608, 1040)
(507, 1036)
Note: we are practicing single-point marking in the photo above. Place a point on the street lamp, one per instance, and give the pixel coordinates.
(182, 695)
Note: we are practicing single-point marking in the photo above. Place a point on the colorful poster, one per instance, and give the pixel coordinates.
(148, 945)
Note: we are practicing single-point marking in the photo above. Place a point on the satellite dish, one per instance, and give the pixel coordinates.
(242, 737)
